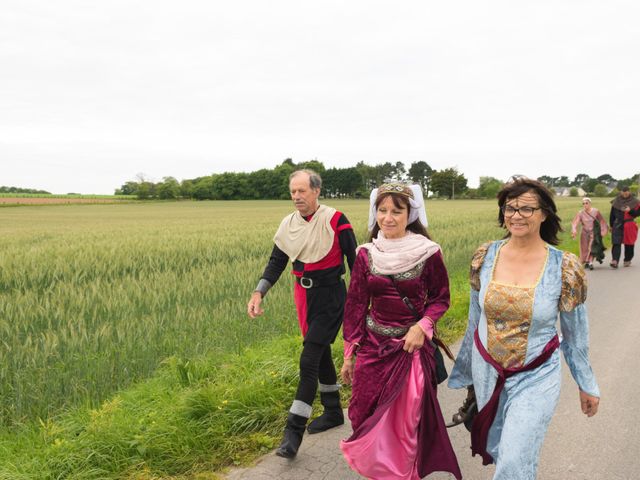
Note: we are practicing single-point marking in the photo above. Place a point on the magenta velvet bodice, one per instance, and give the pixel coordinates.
(426, 285)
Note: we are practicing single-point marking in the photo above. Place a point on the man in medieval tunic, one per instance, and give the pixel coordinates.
(624, 209)
(316, 238)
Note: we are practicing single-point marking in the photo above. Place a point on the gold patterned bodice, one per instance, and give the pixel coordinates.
(509, 310)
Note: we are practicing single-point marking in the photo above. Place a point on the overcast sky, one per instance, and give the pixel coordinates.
(94, 92)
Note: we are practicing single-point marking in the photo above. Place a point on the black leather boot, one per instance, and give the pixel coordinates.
(292, 438)
(467, 412)
(332, 415)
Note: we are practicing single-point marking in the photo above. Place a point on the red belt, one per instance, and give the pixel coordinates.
(483, 421)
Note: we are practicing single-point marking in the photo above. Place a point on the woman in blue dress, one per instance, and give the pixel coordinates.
(509, 354)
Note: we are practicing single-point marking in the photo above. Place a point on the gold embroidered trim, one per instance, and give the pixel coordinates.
(385, 330)
(394, 187)
(574, 283)
(476, 265)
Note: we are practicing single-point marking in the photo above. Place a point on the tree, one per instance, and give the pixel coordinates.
(420, 172)
(589, 185)
(398, 172)
(5, 189)
(230, 186)
(265, 184)
(146, 190)
(562, 182)
(448, 182)
(203, 188)
(626, 182)
(600, 190)
(368, 174)
(383, 173)
(168, 189)
(606, 179)
(282, 171)
(314, 165)
(547, 180)
(128, 188)
(489, 187)
(186, 189)
(580, 180)
(573, 192)
(338, 182)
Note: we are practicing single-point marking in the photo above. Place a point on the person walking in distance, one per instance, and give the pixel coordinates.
(316, 239)
(624, 209)
(594, 228)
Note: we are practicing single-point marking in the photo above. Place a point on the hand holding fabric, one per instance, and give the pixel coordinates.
(414, 339)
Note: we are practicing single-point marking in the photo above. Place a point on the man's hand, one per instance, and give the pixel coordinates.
(346, 372)
(414, 339)
(253, 307)
(589, 404)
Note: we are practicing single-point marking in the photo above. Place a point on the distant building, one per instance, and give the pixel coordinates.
(566, 191)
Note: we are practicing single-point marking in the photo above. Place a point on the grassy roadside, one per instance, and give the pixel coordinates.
(193, 417)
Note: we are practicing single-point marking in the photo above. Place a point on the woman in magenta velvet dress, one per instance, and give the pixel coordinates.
(398, 429)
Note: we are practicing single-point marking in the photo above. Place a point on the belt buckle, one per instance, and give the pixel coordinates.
(304, 284)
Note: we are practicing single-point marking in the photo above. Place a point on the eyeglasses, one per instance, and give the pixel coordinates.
(525, 212)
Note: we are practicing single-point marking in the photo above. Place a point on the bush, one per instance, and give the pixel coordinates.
(600, 190)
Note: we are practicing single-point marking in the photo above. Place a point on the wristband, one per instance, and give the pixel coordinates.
(263, 287)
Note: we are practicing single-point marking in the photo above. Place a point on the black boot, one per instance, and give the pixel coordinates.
(292, 438)
(332, 415)
(467, 412)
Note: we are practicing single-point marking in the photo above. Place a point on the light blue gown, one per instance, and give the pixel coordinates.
(529, 398)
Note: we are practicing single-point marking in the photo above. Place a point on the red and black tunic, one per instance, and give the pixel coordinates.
(320, 306)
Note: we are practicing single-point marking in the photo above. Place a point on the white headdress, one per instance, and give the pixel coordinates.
(412, 192)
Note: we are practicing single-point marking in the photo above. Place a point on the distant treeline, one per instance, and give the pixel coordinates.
(4, 189)
(352, 182)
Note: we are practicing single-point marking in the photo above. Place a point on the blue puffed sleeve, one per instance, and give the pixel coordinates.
(574, 324)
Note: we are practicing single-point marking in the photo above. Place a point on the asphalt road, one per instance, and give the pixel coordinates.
(604, 447)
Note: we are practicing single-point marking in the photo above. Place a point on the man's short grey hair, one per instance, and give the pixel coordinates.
(314, 179)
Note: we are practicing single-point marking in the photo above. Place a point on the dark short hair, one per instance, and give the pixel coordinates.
(513, 189)
(400, 201)
(624, 189)
(315, 181)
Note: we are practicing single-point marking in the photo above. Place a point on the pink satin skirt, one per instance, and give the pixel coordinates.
(389, 450)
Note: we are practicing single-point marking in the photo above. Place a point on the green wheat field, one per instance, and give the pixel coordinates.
(125, 348)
